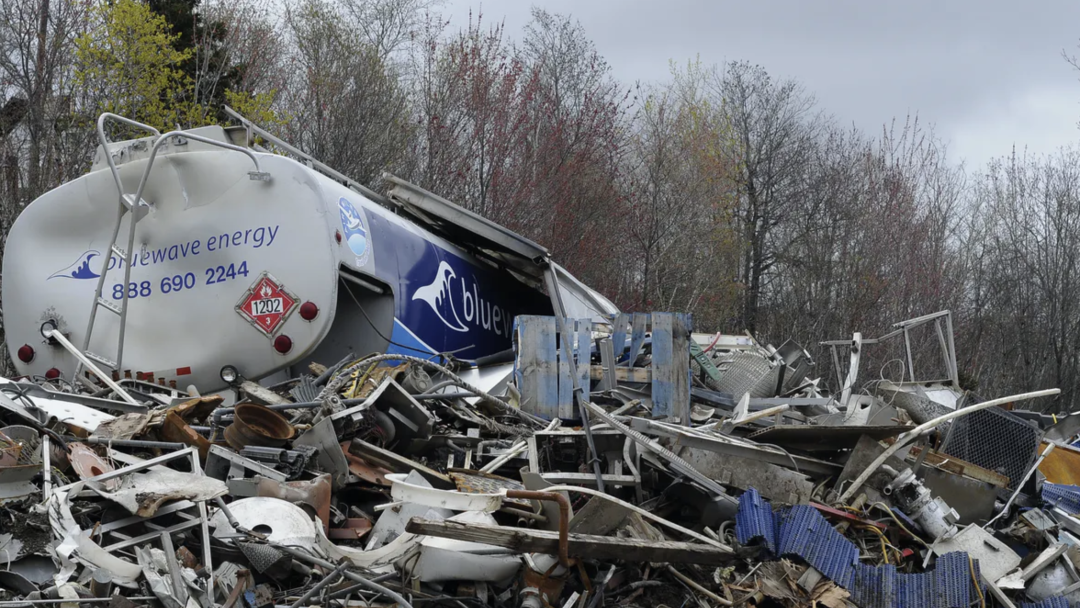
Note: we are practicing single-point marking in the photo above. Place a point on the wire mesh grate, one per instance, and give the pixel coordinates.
(997, 440)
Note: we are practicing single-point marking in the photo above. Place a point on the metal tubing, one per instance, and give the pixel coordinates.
(564, 518)
(520, 446)
(325, 376)
(46, 467)
(128, 443)
(346, 591)
(1049, 448)
(54, 334)
(329, 578)
(352, 576)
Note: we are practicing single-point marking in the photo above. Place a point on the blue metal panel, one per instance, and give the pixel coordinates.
(803, 532)
(755, 520)
(536, 366)
(663, 389)
(1063, 496)
(619, 323)
(583, 355)
(637, 337)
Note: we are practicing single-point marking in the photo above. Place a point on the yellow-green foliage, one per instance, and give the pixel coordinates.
(256, 108)
(127, 60)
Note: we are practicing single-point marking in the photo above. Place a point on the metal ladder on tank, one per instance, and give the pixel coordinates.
(137, 208)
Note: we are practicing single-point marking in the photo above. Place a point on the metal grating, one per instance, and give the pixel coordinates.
(1050, 602)
(997, 440)
(747, 372)
(1062, 496)
(802, 531)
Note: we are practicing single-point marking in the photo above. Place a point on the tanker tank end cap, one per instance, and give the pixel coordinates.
(259, 176)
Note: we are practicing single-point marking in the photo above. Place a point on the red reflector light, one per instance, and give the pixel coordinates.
(52, 374)
(308, 311)
(26, 353)
(283, 344)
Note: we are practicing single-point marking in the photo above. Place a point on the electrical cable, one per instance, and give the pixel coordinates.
(886, 508)
(376, 327)
(881, 536)
(975, 580)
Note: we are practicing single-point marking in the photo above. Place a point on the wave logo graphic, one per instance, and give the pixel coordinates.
(356, 234)
(438, 297)
(80, 268)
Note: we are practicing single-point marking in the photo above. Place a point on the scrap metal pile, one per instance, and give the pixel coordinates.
(632, 463)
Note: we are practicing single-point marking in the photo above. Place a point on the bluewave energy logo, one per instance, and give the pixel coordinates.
(459, 305)
(80, 268)
(356, 234)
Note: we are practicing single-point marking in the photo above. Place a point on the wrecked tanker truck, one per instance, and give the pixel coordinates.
(183, 254)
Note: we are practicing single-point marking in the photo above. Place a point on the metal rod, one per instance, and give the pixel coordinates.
(329, 578)
(346, 591)
(315, 164)
(1020, 486)
(435, 396)
(520, 446)
(54, 334)
(128, 443)
(352, 576)
(46, 467)
(952, 350)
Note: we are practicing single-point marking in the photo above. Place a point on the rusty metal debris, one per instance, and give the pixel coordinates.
(391, 489)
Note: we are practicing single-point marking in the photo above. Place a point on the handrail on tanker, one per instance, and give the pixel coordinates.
(257, 174)
(314, 162)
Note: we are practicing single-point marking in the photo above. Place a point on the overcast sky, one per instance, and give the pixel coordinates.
(987, 74)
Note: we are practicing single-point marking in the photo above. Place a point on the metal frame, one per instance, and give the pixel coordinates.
(903, 328)
(203, 521)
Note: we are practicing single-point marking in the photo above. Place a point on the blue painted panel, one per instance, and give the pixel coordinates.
(447, 301)
(663, 385)
(640, 321)
(801, 531)
(619, 324)
(536, 365)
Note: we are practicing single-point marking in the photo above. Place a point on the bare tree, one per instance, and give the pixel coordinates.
(774, 128)
(345, 104)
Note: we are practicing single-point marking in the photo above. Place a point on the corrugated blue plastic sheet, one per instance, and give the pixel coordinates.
(802, 531)
(1065, 497)
(1050, 602)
